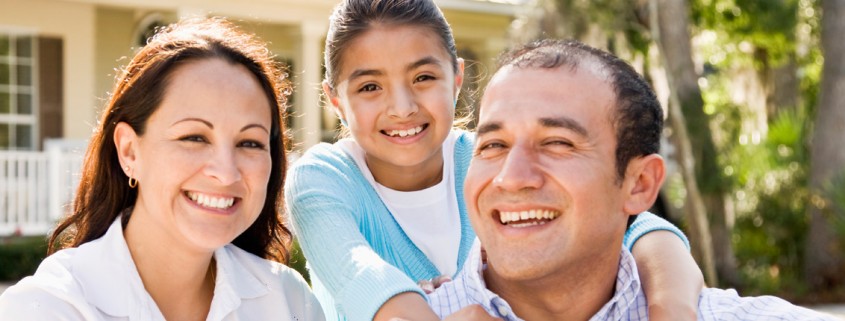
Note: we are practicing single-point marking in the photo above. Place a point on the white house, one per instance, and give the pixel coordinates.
(58, 60)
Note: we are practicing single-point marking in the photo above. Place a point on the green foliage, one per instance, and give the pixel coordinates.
(768, 26)
(297, 261)
(20, 256)
(771, 195)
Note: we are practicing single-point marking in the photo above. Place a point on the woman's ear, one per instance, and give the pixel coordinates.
(643, 179)
(126, 143)
(333, 100)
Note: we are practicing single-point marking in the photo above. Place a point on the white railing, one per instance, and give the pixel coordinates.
(37, 187)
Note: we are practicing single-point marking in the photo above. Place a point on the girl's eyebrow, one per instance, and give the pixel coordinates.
(364, 72)
(428, 60)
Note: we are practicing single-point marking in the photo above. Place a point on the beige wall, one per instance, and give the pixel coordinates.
(74, 23)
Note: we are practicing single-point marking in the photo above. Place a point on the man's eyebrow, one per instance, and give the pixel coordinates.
(564, 122)
(488, 127)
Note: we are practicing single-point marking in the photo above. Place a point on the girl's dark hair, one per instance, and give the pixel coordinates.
(351, 18)
(103, 192)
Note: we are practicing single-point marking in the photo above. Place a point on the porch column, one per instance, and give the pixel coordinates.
(307, 90)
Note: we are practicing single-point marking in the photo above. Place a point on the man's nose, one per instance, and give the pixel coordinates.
(519, 170)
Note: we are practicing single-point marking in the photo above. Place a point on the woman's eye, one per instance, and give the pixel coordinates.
(193, 139)
(368, 87)
(251, 144)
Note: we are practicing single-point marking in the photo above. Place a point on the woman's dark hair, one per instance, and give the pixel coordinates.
(351, 18)
(103, 192)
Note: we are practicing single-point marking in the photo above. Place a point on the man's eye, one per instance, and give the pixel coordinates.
(565, 143)
(490, 149)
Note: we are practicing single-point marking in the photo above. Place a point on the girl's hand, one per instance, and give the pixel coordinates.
(429, 285)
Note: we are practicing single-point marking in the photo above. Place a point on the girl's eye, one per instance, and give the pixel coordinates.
(193, 139)
(368, 87)
(421, 78)
(251, 144)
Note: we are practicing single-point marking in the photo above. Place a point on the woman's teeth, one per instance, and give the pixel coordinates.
(211, 201)
(527, 218)
(405, 133)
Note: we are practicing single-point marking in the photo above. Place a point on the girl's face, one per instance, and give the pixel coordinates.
(204, 160)
(396, 89)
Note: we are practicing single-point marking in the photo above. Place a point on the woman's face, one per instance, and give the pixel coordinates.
(204, 160)
(396, 89)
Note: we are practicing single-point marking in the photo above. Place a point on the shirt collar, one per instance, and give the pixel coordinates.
(110, 281)
(626, 290)
(107, 275)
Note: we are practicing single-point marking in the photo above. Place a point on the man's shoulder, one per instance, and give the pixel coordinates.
(719, 304)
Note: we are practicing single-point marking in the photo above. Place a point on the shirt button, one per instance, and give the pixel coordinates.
(503, 311)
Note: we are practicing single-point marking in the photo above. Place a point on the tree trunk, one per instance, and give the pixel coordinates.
(824, 264)
(670, 23)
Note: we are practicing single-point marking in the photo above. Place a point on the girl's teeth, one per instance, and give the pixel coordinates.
(406, 132)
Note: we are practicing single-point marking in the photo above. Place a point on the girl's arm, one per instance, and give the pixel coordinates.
(670, 277)
(321, 203)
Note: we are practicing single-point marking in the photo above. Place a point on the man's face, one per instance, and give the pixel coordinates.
(541, 189)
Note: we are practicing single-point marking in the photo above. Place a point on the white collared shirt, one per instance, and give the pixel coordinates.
(98, 281)
(628, 302)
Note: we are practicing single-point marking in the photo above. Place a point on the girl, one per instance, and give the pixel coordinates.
(384, 209)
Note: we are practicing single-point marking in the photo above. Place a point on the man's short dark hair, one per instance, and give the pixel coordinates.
(638, 119)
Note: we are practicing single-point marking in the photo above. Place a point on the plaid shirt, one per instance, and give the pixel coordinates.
(628, 302)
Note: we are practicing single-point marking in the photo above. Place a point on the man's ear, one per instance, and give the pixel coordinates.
(331, 96)
(126, 143)
(642, 182)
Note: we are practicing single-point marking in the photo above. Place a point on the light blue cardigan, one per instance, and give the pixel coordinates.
(358, 255)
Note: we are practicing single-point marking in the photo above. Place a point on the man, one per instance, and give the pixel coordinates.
(566, 151)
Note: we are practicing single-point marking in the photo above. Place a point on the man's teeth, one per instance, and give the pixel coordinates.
(211, 201)
(406, 133)
(541, 215)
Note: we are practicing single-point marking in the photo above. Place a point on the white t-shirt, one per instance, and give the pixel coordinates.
(430, 216)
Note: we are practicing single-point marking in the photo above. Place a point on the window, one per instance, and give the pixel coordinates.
(18, 96)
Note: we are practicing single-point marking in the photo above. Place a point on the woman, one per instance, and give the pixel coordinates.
(177, 212)
(379, 211)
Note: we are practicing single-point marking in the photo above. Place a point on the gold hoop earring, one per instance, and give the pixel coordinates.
(133, 182)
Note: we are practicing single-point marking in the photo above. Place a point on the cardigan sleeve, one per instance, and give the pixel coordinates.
(647, 222)
(321, 199)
